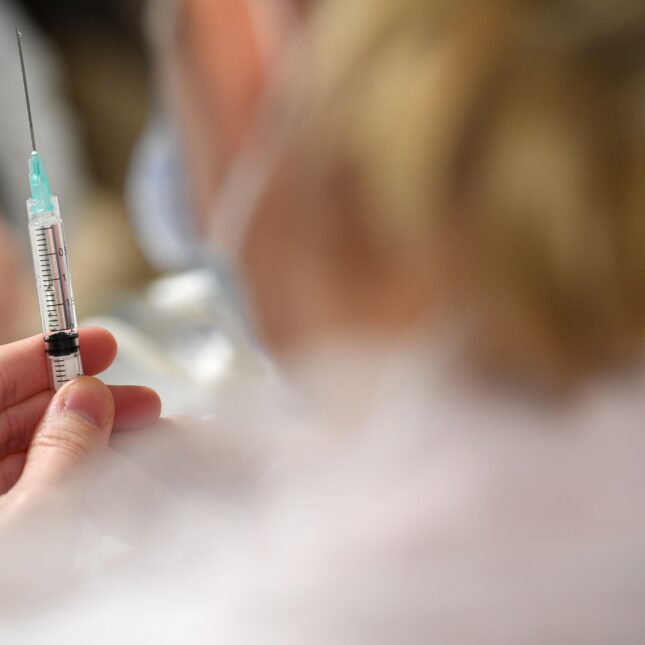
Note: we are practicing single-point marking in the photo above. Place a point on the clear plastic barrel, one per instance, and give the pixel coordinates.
(55, 295)
(64, 369)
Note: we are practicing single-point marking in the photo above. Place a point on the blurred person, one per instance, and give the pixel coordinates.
(445, 255)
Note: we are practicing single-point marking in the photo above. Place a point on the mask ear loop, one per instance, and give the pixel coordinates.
(248, 176)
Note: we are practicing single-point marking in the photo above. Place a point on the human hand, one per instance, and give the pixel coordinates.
(44, 438)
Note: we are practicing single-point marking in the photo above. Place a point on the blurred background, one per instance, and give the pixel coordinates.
(98, 75)
(440, 213)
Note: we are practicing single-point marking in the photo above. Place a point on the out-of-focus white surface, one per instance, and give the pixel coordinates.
(423, 513)
(182, 338)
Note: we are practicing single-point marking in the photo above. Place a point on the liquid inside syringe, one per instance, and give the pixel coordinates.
(53, 279)
(55, 296)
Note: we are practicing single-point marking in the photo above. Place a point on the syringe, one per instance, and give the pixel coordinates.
(49, 252)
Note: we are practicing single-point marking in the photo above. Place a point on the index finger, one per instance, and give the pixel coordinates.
(24, 369)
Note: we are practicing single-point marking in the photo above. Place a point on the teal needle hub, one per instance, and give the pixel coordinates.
(40, 191)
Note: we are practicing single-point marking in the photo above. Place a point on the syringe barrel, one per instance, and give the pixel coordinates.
(55, 293)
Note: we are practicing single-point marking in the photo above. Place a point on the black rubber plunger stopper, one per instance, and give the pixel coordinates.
(63, 343)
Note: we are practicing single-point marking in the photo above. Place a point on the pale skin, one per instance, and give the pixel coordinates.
(46, 439)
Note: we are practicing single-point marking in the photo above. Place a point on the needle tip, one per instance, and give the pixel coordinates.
(24, 79)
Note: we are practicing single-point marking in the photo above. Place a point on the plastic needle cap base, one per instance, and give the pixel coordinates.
(40, 192)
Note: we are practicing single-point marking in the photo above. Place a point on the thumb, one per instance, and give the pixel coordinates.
(75, 428)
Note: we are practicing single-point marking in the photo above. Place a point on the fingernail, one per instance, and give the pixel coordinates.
(89, 399)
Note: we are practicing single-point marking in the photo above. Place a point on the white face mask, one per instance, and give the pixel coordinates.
(157, 195)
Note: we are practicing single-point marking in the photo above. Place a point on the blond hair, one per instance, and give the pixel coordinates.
(519, 122)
